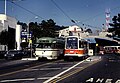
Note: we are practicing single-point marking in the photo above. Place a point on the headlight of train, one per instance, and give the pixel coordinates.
(66, 53)
(5, 55)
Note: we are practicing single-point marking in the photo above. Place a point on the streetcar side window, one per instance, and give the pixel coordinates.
(118, 47)
(81, 44)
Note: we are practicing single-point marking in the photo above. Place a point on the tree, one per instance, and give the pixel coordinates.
(35, 29)
(48, 28)
(115, 25)
(24, 25)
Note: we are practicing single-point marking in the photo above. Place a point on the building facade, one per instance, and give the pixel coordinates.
(7, 21)
(9, 24)
(73, 30)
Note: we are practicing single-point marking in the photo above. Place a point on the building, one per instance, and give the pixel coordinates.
(7, 22)
(10, 24)
(73, 30)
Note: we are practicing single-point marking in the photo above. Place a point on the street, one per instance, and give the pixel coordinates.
(96, 69)
(59, 41)
(39, 72)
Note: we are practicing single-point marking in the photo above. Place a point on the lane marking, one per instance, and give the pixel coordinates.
(58, 75)
(66, 75)
(44, 78)
(44, 69)
(27, 68)
(71, 73)
(26, 79)
(66, 63)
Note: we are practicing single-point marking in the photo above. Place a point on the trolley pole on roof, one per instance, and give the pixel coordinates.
(30, 42)
(31, 47)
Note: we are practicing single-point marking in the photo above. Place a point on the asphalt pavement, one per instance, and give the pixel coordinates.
(17, 71)
(105, 71)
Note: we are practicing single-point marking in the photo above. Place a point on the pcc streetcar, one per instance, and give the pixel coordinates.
(49, 48)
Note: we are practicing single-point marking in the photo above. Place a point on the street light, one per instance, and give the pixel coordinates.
(6, 5)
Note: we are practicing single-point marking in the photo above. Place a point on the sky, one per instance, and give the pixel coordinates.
(89, 12)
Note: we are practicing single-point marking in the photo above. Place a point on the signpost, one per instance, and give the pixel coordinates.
(27, 38)
(24, 36)
(30, 42)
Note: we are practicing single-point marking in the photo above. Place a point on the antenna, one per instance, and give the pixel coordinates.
(107, 12)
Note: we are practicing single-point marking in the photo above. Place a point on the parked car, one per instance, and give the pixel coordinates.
(14, 54)
(2, 53)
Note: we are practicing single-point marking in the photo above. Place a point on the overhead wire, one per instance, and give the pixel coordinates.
(99, 14)
(82, 22)
(73, 21)
(27, 10)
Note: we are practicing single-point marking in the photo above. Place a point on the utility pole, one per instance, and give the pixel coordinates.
(5, 7)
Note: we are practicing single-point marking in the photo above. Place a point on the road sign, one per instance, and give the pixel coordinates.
(24, 34)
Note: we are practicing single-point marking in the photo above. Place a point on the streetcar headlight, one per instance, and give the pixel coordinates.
(67, 53)
(34, 54)
(5, 55)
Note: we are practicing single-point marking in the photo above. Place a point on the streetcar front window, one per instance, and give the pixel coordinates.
(45, 45)
(72, 43)
(119, 48)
